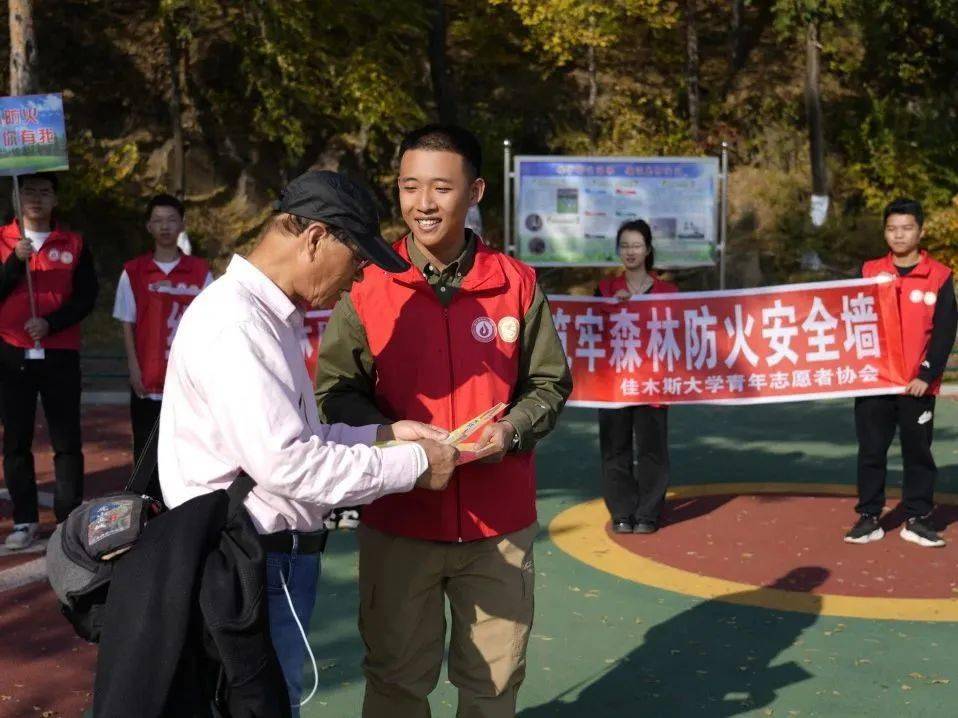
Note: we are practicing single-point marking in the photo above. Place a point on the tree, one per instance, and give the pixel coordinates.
(736, 55)
(808, 16)
(692, 66)
(173, 55)
(566, 29)
(438, 65)
(313, 70)
(179, 19)
(813, 109)
(23, 48)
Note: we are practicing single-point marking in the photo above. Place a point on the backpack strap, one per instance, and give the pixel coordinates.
(146, 464)
(239, 489)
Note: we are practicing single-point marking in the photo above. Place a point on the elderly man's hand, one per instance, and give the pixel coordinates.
(442, 462)
(408, 430)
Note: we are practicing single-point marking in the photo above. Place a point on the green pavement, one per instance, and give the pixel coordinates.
(602, 646)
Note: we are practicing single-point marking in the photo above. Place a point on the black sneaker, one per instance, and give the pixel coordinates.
(644, 527)
(621, 526)
(865, 530)
(920, 532)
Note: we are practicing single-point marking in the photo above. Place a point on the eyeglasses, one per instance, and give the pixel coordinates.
(359, 259)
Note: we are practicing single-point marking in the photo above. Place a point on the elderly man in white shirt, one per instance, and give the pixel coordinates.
(238, 398)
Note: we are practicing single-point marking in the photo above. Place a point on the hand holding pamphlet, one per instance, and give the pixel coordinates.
(468, 451)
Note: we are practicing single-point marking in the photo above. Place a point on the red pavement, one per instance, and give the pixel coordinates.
(45, 670)
(756, 539)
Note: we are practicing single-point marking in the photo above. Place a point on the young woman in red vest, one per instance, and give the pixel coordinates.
(928, 315)
(151, 296)
(634, 498)
(41, 355)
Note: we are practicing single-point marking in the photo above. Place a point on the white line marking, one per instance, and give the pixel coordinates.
(23, 574)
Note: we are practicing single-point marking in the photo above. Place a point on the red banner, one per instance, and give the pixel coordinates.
(771, 344)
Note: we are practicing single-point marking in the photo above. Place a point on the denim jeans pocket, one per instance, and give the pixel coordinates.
(279, 565)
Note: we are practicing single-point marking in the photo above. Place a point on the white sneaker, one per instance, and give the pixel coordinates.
(22, 536)
(329, 523)
(349, 519)
(919, 531)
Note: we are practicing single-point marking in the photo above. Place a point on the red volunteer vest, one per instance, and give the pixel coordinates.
(160, 301)
(444, 366)
(610, 285)
(52, 271)
(917, 295)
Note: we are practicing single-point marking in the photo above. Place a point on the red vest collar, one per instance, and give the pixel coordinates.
(922, 269)
(180, 268)
(618, 282)
(485, 272)
(12, 232)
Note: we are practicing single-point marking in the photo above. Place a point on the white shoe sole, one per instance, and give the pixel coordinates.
(19, 546)
(876, 535)
(914, 538)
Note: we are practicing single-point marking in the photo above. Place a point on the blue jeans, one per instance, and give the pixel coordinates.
(301, 572)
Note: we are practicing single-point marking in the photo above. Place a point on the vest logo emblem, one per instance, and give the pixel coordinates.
(66, 257)
(54, 255)
(509, 329)
(483, 330)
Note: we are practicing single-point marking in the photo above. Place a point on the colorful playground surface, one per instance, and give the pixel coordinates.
(745, 603)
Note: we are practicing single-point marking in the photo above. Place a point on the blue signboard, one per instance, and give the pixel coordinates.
(33, 136)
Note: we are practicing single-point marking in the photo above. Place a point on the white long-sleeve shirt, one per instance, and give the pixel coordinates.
(237, 397)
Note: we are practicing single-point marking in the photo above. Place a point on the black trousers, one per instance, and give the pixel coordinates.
(634, 496)
(56, 379)
(143, 415)
(876, 418)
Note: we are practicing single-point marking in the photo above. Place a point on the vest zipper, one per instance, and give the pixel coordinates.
(452, 414)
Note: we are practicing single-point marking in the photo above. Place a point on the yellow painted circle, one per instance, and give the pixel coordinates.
(580, 532)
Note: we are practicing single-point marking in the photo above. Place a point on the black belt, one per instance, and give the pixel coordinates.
(286, 541)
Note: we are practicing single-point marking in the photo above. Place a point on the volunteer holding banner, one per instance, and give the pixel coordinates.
(926, 299)
(634, 494)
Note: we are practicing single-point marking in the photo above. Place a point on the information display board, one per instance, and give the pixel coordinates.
(568, 209)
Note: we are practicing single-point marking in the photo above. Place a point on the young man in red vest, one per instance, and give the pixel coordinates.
(151, 296)
(928, 315)
(464, 328)
(41, 355)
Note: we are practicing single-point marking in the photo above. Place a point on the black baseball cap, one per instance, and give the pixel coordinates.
(337, 200)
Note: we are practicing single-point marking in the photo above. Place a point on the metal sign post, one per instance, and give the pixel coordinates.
(507, 246)
(723, 219)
